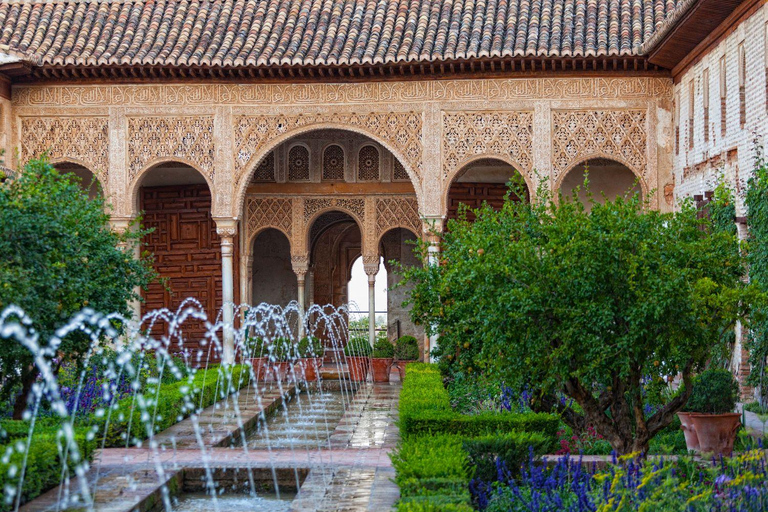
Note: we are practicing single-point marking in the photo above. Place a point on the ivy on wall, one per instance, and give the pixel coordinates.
(757, 214)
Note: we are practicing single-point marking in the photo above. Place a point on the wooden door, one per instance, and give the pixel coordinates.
(187, 256)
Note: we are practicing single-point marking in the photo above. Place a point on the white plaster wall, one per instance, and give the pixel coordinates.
(752, 32)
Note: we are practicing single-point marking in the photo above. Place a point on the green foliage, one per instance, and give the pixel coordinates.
(433, 504)
(756, 203)
(358, 346)
(756, 408)
(59, 255)
(311, 346)
(434, 466)
(407, 349)
(130, 420)
(383, 349)
(44, 460)
(511, 449)
(586, 301)
(715, 391)
(472, 395)
(256, 346)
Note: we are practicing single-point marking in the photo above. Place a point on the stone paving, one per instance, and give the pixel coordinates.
(354, 475)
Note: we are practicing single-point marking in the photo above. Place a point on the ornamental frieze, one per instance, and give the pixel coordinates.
(187, 138)
(82, 140)
(343, 93)
(582, 134)
(467, 135)
(253, 135)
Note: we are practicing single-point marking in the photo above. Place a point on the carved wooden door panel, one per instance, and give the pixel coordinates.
(187, 255)
(474, 195)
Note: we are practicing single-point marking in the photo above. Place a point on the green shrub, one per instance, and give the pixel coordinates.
(407, 349)
(436, 422)
(44, 463)
(511, 449)
(358, 346)
(171, 404)
(310, 346)
(715, 391)
(430, 458)
(383, 349)
(434, 504)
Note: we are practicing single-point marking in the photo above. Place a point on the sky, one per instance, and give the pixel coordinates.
(358, 288)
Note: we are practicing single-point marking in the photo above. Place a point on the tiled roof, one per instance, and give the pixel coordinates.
(269, 33)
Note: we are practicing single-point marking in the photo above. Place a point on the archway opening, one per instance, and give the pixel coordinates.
(482, 181)
(608, 179)
(357, 293)
(335, 242)
(272, 275)
(175, 202)
(83, 177)
(398, 246)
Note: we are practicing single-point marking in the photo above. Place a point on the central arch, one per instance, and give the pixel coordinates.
(263, 152)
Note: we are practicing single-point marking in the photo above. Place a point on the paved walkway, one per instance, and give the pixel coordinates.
(354, 475)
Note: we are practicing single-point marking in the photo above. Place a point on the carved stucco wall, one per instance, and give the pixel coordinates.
(295, 216)
(81, 140)
(227, 128)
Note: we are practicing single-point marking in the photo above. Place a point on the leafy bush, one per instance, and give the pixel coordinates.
(433, 504)
(358, 346)
(715, 391)
(434, 422)
(755, 407)
(506, 451)
(383, 349)
(311, 346)
(439, 456)
(58, 255)
(407, 349)
(44, 461)
(170, 404)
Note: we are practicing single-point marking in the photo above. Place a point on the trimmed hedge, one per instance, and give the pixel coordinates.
(171, 404)
(511, 449)
(441, 450)
(44, 462)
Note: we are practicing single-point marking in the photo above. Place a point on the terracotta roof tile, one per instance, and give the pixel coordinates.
(323, 32)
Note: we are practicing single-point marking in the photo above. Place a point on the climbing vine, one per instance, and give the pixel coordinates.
(757, 215)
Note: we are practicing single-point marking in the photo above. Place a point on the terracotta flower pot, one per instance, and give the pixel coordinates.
(358, 368)
(259, 368)
(691, 439)
(716, 432)
(380, 367)
(279, 371)
(401, 368)
(309, 368)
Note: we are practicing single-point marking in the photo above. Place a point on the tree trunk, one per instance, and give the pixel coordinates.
(27, 380)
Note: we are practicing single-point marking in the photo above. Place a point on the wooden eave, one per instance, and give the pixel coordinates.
(469, 68)
(699, 21)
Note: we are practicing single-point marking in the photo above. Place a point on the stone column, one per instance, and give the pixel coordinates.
(433, 226)
(226, 228)
(371, 267)
(121, 225)
(300, 264)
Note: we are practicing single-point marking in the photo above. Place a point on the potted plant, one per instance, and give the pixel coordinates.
(358, 353)
(311, 351)
(711, 405)
(258, 353)
(406, 351)
(382, 358)
(282, 356)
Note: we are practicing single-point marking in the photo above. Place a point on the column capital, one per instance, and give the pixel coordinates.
(300, 265)
(121, 224)
(226, 227)
(371, 266)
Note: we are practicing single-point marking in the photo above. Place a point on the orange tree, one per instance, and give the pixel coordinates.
(586, 303)
(58, 255)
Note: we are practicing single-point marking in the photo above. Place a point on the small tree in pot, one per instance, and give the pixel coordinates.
(358, 354)
(381, 362)
(713, 399)
(406, 351)
(311, 351)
